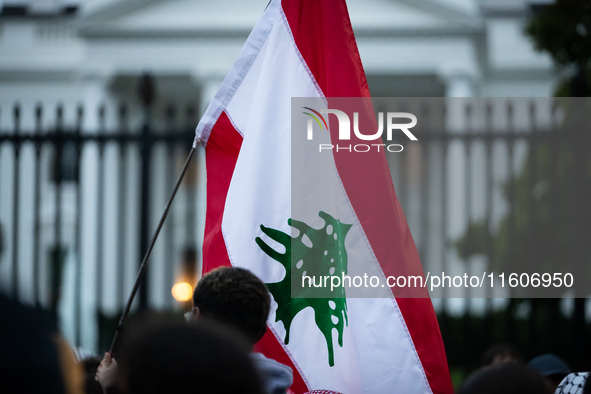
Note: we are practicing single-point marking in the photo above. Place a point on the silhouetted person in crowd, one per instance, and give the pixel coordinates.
(161, 355)
(501, 353)
(239, 299)
(551, 367)
(505, 378)
(35, 359)
(30, 360)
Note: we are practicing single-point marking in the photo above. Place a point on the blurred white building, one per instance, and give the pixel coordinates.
(93, 52)
(88, 51)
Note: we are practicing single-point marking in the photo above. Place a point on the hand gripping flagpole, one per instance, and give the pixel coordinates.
(143, 266)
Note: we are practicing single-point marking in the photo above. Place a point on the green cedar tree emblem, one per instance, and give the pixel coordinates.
(318, 253)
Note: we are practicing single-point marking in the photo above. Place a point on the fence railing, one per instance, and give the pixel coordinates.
(77, 208)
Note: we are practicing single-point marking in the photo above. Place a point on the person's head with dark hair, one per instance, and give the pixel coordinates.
(235, 297)
(551, 367)
(505, 378)
(238, 299)
(500, 353)
(161, 355)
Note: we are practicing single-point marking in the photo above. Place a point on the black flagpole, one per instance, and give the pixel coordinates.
(149, 251)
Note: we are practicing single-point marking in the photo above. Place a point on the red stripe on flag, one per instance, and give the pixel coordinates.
(323, 34)
(221, 154)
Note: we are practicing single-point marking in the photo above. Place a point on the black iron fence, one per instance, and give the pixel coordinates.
(504, 188)
(79, 206)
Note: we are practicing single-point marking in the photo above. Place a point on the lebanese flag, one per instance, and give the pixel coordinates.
(306, 48)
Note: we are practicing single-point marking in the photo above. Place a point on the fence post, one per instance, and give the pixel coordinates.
(146, 94)
(579, 227)
(15, 206)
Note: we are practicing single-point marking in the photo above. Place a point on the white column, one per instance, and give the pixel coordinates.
(460, 89)
(95, 95)
(461, 84)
